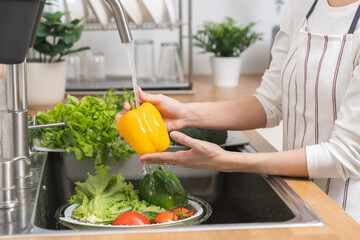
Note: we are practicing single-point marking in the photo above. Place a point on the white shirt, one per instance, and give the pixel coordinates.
(337, 155)
(337, 20)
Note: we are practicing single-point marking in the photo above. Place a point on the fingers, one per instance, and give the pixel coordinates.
(146, 97)
(142, 95)
(160, 158)
(120, 114)
(184, 139)
(126, 106)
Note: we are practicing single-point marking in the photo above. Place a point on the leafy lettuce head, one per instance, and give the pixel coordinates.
(103, 197)
(90, 129)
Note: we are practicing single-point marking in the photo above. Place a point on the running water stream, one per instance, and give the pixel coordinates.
(147, 168)
(130, 51)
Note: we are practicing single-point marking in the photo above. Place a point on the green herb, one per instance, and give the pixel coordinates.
(117, 99)
(90, 129)
(55, 38)
(225, 39)
(103, 197)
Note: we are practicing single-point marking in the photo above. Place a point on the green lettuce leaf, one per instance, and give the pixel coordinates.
(102, 197)
(90, 129)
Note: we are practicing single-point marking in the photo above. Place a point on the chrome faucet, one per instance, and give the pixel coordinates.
(14, 119)
(15, 174)
(121, 20)
(19, 34)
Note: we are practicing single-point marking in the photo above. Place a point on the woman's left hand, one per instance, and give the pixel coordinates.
(201, 155)
(211, 156)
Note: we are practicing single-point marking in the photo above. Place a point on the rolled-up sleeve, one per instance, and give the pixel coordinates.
(340, 156)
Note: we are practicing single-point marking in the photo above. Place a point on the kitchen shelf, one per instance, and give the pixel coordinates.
(92, 25)
(184, 29)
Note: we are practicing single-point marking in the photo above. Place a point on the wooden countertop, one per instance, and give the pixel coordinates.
(338, 225)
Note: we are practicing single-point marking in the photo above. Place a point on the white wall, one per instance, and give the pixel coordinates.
(255, 59)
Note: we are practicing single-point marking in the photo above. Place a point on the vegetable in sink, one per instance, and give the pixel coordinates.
(103, 197)
(131, 218)
(90, 129)
(165, 217)
(162, 188)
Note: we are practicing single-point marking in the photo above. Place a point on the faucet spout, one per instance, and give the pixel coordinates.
(121, 20)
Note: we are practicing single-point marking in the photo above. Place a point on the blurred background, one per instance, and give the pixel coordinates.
(265, 13)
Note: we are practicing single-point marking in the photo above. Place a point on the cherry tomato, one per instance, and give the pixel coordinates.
(165, 217)
(131, 218)
(182, 212)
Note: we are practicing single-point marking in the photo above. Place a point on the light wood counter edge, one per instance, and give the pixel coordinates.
(338, 224)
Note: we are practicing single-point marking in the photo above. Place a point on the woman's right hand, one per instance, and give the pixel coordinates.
(172, 111)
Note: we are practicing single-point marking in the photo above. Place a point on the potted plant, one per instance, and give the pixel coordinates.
(46, 75)
(226, 41)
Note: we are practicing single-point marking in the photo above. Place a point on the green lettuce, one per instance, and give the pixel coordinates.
(116, 99)
(102, 197)
(90, 129)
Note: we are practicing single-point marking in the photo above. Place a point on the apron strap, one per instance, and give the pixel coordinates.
(311, 9)
(355, 21)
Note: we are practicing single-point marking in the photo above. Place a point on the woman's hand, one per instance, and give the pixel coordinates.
(208, 155)
(172, 111)
(201, 155)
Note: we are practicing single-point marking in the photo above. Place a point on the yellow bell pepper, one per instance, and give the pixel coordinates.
(144, 129)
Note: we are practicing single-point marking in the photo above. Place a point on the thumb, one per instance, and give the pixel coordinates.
(184, 139)
(146, 97)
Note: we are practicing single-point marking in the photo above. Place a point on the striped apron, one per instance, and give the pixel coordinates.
(314, 80)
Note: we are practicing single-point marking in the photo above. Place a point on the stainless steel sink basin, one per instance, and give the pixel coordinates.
(238, 200)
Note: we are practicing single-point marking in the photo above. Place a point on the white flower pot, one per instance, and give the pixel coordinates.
(225, 71)
(45, 83)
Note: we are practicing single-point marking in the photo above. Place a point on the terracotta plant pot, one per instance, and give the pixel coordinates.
(45, 83)
(225, 71)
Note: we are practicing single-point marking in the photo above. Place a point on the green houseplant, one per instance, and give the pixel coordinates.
(55, 39)
(47, 73)
(227, 41)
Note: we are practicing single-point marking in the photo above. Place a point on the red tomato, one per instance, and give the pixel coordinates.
(183, 212)
(165, 217)
(131, 218)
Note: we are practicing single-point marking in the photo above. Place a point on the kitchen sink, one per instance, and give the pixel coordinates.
(238, 201)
